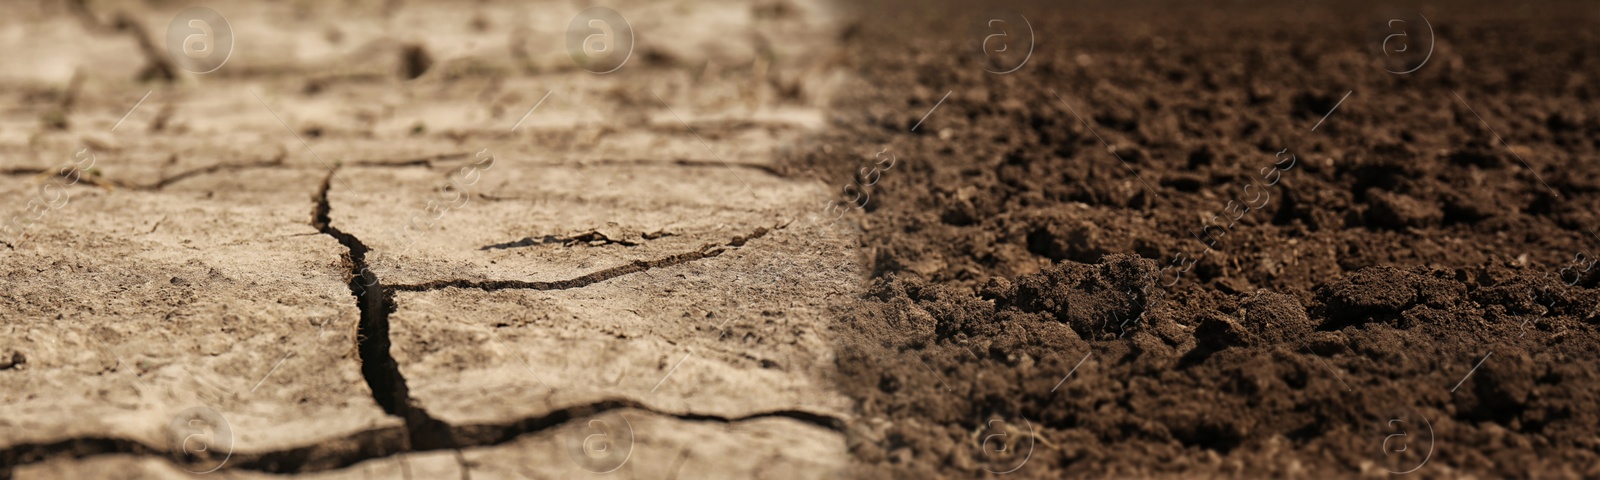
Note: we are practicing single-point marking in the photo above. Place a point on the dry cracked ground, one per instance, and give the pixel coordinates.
(417, 240)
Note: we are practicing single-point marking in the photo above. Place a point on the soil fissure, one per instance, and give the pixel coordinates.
(709, 250)
(378, 365)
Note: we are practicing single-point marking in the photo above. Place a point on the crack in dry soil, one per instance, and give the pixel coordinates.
(334, 454)
(321, 456)
(425, 162)
(156, 186)
(380, 369)
(705, 251)
(161, 66)
(28, 453)
(165, 182)
(689, 162)
(500, 433)
(23, 171)
(589, 238)
(679, 162)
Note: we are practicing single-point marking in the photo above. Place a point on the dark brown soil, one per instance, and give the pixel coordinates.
(1403, 289)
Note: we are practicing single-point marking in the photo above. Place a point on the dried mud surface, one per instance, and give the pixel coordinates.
(417, 240)
(1411, 291)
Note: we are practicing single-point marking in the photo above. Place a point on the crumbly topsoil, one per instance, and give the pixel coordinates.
(1417, 289)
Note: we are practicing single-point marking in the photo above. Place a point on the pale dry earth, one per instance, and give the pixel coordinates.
(469, 273)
